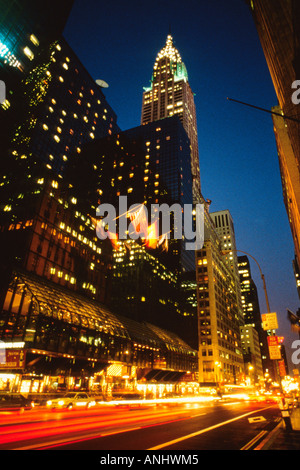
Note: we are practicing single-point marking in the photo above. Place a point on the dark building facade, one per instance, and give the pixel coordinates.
(26, 29)
(166, 149)
(251, 308)
(278, 27)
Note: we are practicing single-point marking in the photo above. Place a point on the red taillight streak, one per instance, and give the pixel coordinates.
(26, 432)
(108, 434)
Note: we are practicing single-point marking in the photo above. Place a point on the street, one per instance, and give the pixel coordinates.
(222, 425)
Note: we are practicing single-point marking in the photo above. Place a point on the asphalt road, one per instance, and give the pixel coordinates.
(191, 426)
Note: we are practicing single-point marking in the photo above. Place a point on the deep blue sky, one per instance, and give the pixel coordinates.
(118, 41)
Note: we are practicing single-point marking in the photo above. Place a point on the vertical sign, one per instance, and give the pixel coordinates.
(274, 349)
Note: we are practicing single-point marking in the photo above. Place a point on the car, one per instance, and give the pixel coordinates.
(72, 400)
(14, 402)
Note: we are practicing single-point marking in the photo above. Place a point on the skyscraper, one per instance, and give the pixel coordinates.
(220, 351)
(251, 307)
(225, 231)
(26, 28)
(167, 162)
(170, 94)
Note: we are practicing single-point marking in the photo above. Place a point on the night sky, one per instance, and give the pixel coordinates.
(118, 40)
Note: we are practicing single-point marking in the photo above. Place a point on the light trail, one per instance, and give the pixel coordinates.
(82, 422)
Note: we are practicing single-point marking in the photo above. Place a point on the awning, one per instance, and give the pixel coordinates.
(163, 376)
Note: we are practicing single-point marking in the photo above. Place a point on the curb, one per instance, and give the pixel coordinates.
(267, 442)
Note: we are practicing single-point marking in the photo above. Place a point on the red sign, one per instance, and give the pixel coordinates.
(274, 349)
(14, 359)
(273, 340)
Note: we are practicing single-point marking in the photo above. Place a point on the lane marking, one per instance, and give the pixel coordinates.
(256, 419)
(269, 438)
(202, 431)
(254, 440)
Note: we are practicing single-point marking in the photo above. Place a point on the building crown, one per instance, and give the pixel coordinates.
(170, 51)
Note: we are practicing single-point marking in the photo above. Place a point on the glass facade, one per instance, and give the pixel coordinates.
(51, 320)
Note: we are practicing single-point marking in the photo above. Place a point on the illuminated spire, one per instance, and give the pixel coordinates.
(177, 68)
(169, 50)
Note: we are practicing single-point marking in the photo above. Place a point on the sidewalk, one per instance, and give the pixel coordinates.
(283, 438)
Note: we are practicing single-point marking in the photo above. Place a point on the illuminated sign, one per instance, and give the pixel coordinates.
(269, 321)
(274, 349)
(14, 359)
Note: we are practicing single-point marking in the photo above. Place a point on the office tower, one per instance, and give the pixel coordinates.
(225, 230)
(146, 277)
(166, 160)
(65, 109)
(278, 27)
(251, 308)
(220, 352)
(170, 94)
(26, 28)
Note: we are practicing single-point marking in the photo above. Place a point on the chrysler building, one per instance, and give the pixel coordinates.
(170, 94)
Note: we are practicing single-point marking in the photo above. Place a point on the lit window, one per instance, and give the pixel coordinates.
(45, 127)
(34, 40)
(28, 52)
